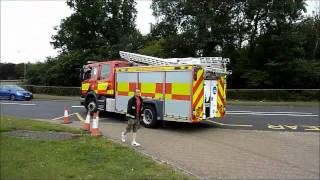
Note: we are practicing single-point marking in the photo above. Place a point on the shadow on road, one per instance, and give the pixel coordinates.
(186, 127)
(164, 125)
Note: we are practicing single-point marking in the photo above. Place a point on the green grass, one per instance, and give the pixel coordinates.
(81, 158)
(272, 103)
(9, 123)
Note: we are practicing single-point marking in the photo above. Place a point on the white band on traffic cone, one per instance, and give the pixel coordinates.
(87, 121)
(66, 116)
(66, 112)
(95, 122)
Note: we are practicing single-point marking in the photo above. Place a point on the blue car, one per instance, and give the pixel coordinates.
(14, 92)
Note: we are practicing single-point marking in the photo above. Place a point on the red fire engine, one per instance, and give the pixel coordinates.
(177, 89)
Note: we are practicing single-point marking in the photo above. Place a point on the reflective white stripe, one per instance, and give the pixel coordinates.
(95, 123)
(88, 118)
(65, 113)
(129, 115)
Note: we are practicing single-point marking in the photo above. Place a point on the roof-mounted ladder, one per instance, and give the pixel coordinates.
(213, 66)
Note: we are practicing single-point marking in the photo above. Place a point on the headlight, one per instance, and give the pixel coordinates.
(19, 93)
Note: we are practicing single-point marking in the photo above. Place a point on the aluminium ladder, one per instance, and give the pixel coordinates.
(213, 66)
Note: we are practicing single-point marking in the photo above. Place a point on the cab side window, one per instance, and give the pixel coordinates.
(95, 72)
(87, 75)
(105, 71)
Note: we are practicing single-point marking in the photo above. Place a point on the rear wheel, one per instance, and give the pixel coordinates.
(150, 117)
(91, 105)
(12, 97)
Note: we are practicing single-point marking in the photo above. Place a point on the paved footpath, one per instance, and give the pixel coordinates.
(213, 153)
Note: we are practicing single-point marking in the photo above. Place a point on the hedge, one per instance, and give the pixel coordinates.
(234, 94)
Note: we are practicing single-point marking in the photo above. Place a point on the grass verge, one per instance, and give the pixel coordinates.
(9, 123)
(81, 158)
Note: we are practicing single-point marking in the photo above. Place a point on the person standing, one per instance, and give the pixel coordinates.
(134, 114)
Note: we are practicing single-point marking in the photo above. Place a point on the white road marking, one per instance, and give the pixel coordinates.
(77, 106)
(8, 103)
(238, 111)
(27, 104)
(268, 112)
(232, 125)
(21, 104)
(305, 115)
(79, 117)
(297, 114)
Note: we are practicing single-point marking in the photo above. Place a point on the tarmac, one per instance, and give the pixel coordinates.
(213, 153)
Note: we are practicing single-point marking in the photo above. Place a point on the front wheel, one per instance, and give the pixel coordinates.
(150, 117)
(91, 105)
(12, 97)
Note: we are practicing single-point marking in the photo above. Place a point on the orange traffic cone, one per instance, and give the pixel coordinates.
(66, 119)
(86, 125)
(95, 125)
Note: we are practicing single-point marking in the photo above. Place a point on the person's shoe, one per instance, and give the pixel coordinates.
(123, 137)
(134, 143)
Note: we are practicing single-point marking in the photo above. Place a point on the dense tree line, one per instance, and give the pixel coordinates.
(270, 43)
(10, 71)
(96, 31)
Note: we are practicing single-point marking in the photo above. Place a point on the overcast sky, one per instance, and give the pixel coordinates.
(27, 27)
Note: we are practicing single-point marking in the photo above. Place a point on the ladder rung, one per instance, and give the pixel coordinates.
(216, 65)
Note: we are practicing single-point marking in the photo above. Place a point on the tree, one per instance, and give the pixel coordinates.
(203, 25)
(99, 27)
(7, 71)
(97, 30)
(270, 43)
(154, 48)
(260, 36)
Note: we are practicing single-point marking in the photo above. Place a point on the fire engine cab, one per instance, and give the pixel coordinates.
(176, 89)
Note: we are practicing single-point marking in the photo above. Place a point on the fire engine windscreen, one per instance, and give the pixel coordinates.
(87, 73)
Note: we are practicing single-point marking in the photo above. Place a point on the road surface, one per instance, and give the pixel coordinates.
(276, 118)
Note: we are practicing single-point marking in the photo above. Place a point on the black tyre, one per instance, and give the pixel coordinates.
(91, 104)
(150, 117)
(12, 97)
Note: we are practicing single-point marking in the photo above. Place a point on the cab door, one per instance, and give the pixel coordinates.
(105, 83)
(93, 81)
